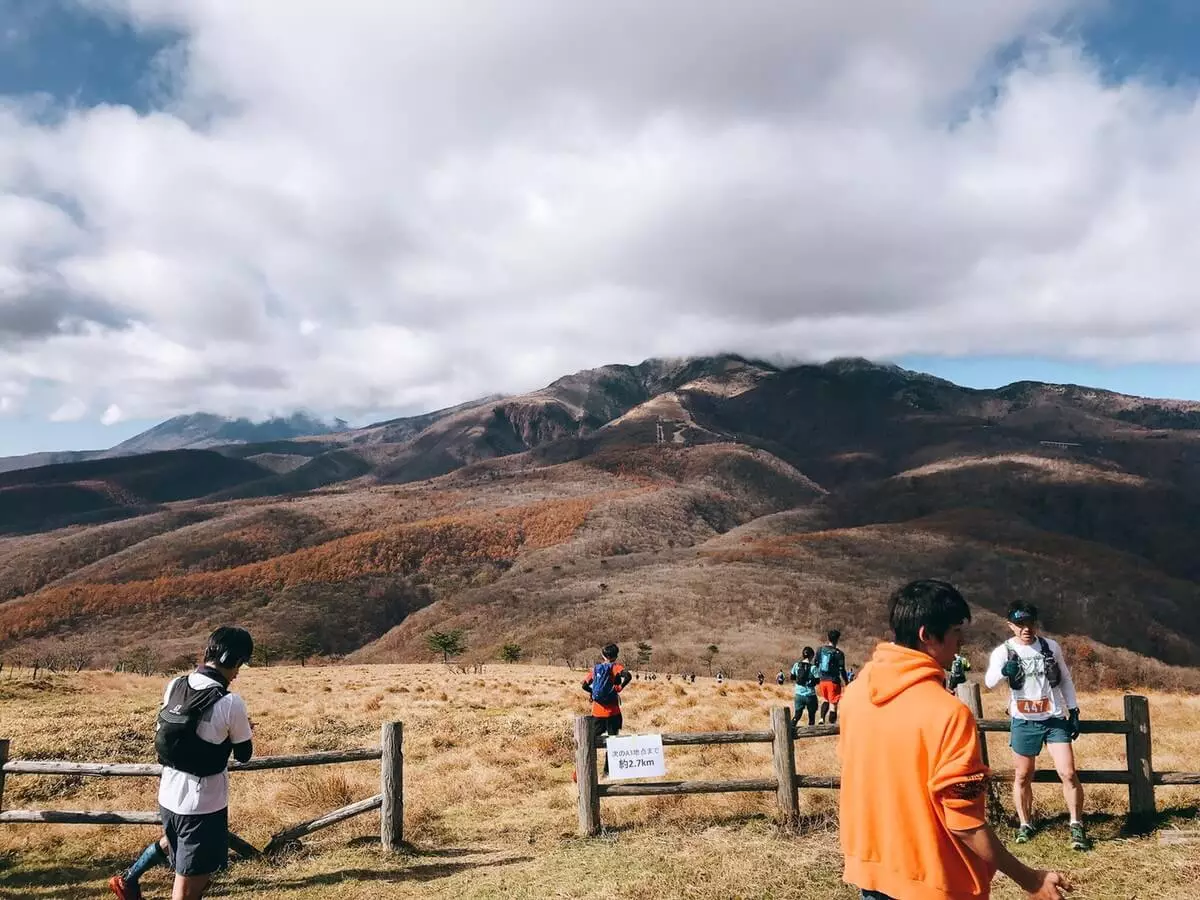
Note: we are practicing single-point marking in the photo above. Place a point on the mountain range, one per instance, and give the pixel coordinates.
(682, 503)
(188, 432)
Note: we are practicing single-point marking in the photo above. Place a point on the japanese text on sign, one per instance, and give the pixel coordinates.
(636, 756)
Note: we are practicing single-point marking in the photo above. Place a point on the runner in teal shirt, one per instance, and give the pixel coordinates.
(806, 687)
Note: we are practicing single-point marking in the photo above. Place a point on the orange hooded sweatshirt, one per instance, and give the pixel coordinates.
(911, 773)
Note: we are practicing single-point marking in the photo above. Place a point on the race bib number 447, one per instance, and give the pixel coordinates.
(1033, 707)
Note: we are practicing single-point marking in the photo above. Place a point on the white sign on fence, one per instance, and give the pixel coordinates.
(636, 756)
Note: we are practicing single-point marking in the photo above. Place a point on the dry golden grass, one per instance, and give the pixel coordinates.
(490, 803)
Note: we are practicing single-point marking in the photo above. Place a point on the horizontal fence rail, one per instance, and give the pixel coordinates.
(1139, 776)
(147, 770)
(390, 800)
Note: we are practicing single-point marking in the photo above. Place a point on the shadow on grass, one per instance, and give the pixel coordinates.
(815, 823)
(372, 842)
(89, 881)
(18, 883)
(1111, 826)
(398, 872)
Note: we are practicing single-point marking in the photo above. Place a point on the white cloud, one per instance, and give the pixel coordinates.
(71, 411)
(112, 415)
(400, 204)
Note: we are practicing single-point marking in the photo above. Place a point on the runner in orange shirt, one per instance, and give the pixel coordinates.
(913, 823)
(830, 666)
(604, 684)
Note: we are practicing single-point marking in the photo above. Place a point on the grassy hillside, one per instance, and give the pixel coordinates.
(490, 804)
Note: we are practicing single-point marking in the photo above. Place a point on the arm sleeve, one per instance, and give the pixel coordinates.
(995, 664)
(243, 751)
(958, 781)
(239, 722)
(1068, 683)
(623, 678)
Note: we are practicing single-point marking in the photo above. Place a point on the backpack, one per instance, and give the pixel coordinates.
(802, 674)
(1053, 671)
(175, 739)
(827, 662)
(604, 691)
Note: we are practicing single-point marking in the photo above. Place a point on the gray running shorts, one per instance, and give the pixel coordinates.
(199, 843)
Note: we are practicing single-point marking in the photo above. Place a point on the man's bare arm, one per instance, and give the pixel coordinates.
(1039, 884)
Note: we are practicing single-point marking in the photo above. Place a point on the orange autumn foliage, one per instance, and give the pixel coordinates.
(461, 541)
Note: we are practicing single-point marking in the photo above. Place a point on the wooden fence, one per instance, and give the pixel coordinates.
(389, 800)
(785, 783)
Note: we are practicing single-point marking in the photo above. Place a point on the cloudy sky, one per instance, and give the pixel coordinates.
(386, 206)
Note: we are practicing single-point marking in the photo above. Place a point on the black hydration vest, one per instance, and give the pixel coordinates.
(1053, 672)
(175, 738)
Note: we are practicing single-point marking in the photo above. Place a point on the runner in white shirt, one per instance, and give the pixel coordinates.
(1044, 712)
(194, 804)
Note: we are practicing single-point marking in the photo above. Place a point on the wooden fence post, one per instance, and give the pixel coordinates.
(783, 761)
(968, 692)
(1142, 808)
(3, 760)
(587, 776)
(391, 786)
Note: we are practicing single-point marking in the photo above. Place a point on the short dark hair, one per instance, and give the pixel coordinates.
(934, 605)
(807, 653)
(1022, 609)
(611, 651)
(834, 636)
(229, 646)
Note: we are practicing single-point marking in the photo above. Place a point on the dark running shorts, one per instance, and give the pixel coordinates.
(610, 725)
(200, 843)
(1028, 738)
(875, 895)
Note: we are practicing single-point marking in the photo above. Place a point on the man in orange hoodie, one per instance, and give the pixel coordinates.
(913, 782)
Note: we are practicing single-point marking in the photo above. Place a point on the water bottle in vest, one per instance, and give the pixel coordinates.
(603, 690)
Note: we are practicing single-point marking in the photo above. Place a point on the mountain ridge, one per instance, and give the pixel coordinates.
(695, 501)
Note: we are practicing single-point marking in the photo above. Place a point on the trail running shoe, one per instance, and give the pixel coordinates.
(1079, 838)
(1025, 834)
(125, 890)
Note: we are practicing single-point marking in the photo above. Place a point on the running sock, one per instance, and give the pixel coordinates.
(151, 857)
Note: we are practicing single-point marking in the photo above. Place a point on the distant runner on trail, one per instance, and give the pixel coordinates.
(805, 677)
(604, 685)
(1045, 713)
(958, 672)
(761, 678)
(779, 677)
(830, 664)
